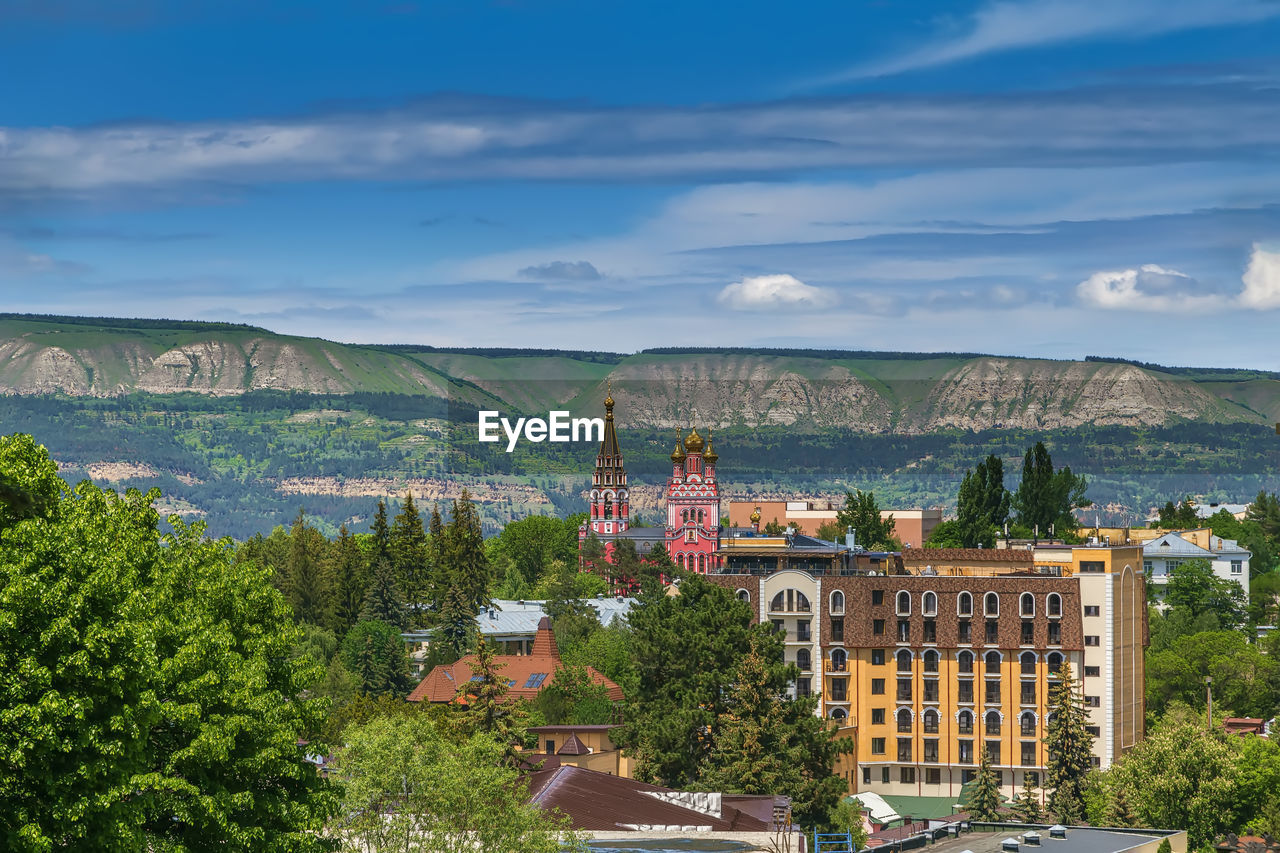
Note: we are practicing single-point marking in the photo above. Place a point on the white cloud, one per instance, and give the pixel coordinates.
(1262, 280)
(1155, 288)
(1002, 25)
(765, 292)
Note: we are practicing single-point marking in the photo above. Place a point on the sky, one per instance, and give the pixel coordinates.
(1054, 178)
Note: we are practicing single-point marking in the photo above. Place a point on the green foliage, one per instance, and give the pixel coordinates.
(608, 651)
(1182, 516)
(773, 528)
(383, 600)
(534, 542)
(488, 711)
(830, 531)
(1196, 590)
(984, 799)
(305, 581)
(1246, 682)
(983, 504)
(349, 582)
(1265, 512)
(1070, 748)
(375, 656)
(1046, 498)
(409, 557)
(573, 698)
(863, 514)
(847, 817)
(29, 483)
(1026, 806)
(463, 565)
(946, 535)
(409, 787)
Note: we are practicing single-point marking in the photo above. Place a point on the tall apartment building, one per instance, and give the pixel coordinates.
(946, 652)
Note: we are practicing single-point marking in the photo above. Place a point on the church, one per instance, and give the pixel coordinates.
(691, 534)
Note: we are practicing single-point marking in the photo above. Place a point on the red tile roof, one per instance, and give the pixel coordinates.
(525, 674)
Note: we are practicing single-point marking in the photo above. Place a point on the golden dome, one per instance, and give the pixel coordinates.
(677, 455)
(693, 444)
(710, 456)
(755, 516)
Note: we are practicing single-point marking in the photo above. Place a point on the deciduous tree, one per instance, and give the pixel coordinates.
(863, 514)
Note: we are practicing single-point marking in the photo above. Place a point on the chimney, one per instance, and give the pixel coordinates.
(544, 642)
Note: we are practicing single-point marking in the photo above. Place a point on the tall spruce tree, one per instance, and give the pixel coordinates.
(625, 570)
(349, 579)
(984, 801)
(408, 546)
(437, 572)
(307, 584)
(382, 599)
(1027, 804)
(374, 655)
(488, 709)
(983, 505)
(463, 554)
(455, 622)
(1070, 748)
(380, 540)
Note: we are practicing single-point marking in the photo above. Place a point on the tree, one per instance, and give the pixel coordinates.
(349, 579)
(1194, 587)
(1119, 812)
(983, 504)
(1046, 498)
(574, 698)
(439, 580)
(831, 531)
(592, 554)
(408, 546)
(488, 711)
(380, 540)
(1182, 516)
(462, 556)
(157, 685)
(984, 800)
(572, 619)
(774, 528)
(1070, 748)
(1265, 512)
(1027, 804)
(373, 653)
(306, 583)
(382, 598)
(409, 787)
(862, 514)
(455, 627)
(946, 535)
(624, 570)
(766, 743)
(532, 543)
(847, 816)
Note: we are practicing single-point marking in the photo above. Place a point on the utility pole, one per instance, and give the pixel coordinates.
(1208, 689)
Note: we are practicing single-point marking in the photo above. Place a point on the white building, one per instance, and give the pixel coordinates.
(1161, 556)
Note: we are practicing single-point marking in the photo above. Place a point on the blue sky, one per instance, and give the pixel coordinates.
(1050, 177)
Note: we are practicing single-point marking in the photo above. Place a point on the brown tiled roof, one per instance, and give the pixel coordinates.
(600, 802)
(967, 555)
(573, 746)
(521, 672)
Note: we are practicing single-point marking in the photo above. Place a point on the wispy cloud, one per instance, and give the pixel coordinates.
(1002, 26)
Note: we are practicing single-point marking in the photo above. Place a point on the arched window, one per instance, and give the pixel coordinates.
(779, 601)
(838, 659)
(1027, 723)
(1055, 664)
(993, 663)
(608, 507)
(904, 661)
(904, 603)
(992, 723)
(965, 660)
(743, 595)
(684, 516)
(803, 660)
(1027, 605)
(904, 720)
(839, 714)
(680, 560)
(1028, 663)
(930, 720)
(837, 603)
(931, 661)
(964, 604)
(802, 601)
(702, 563)
(964, 722)
(991, 604)
(1054, 606)
(701, 516)
(929, 606)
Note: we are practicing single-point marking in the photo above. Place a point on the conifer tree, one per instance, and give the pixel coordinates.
(437, 574)
(488, 709)
(591, 555)
(455, 622)
(380, 541)
(462, 554)
(408, 546)
(1070, 748)
(382, 598)
(984, 802)
(1119, 812)
(1027, 805)
(349, 578)
(306, 581)
(656, 568)
(374, 655)
(624, 572)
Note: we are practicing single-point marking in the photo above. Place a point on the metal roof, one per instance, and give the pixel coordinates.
(520, 618)
(1173, 545)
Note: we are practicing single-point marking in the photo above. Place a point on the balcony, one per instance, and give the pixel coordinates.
(832, 666)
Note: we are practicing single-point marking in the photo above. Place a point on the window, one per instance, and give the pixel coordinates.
(884, 775)
(992, 722)
(839, 715)
(1027, 663)
(993, 663)
(992, 696)
(1028, 754)
(550, 747)
(932, 776)
(964, 691)
(1092, 672)
(1028, 633)
(1054, 605)
(964, 604)
(1237, 567)
(904, 720)
(965, 661)
(931, 690)
(1096, 731)
(1096, 762)
(802, 630)
(991, 604)
(1146, 566)
(877, 597)
(904, 749)
(866, 775)
(904, 661)
(877, 716)
(904, 630)
(907, 775)
(904, 689)
(1055, 633)
(1092, 640)
(993, 632)
(535, 680)
(877, 627)
(839, 690)
(837, 602)
(964, 632)
(929, 607)
(803, 687)
(1092, 610)
(803, 660)
(1033, 778)
(877, 687)
(903, 607)
(966, 751)
(743, 595)
(1027, 724)
(877, 746)
(1055, 663)
(1093, 701)
(1027, 695)
(964, 723)
(930, 631)
(967, 776)
(931, 722)
(930, 661)
(778, 626)
(1026, 605)
(877, 657)
(837, 629)
(1094, 566)
(691, 536)
(993, 749)
(838, 660)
